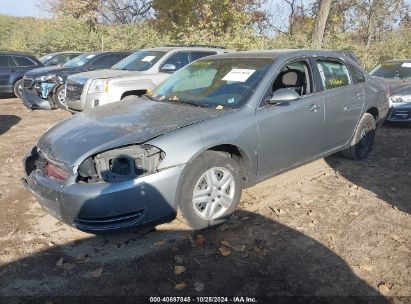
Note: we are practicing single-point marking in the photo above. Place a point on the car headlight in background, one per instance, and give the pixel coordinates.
(121, 164)
(47, 78)
(99, 86)
(400, 98)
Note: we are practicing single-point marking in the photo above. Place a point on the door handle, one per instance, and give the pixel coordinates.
(314, 108)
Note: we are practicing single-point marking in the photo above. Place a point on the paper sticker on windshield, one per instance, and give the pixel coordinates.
(148, 58)
(90, 56)
(406, 65)
(240, 75)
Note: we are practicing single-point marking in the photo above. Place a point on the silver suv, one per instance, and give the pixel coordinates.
(131, 77)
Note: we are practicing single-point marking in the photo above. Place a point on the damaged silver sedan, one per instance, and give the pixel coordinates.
(217, 126)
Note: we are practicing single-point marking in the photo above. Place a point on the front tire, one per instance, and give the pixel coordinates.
(59, 97)
(363, 139)
(18, 88)
(210, 190)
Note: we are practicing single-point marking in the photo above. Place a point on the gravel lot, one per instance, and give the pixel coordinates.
(333, 227)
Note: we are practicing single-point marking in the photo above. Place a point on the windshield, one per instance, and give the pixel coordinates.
(398, 70)
(139, 61)
(45, 58)
(79, 60)
(215, 83)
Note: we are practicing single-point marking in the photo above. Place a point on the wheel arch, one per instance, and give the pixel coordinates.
(133, 92)
(374, 112)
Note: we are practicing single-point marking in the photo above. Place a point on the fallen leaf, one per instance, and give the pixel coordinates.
(179, 269)
(200, 239)
(275, 233)
(180, 286)
(227, 244)
(68, 266)
(366, 267)
(160, 243)
(60, 262)
(243, 248)
(244, 218)
(81, 256)
(174, 249)
(384, 288)
(198, 286)
(224, 251)
(179, 259)
(96, 273)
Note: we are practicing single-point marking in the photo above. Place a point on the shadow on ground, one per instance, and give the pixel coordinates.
(7, 121)
(263, 258)
(385, 168)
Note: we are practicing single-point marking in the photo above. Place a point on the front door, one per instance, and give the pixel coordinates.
(4, 74)
(290, 133)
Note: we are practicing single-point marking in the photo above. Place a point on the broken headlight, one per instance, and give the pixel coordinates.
(46, 78)
(123, 164)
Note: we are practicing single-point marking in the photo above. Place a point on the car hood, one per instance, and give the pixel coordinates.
(115, 125)
(104, 74)
(57, 70)
(397, 86)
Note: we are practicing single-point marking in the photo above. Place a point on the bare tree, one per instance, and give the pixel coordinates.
(320, 22)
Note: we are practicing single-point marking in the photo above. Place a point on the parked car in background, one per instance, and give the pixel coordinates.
(397, 74)
(43, 88)
(218, 125)
(131, 77)
(13, 65)
(58, 58)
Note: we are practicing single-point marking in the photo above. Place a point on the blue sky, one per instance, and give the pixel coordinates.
(21, 8)
(31, 8)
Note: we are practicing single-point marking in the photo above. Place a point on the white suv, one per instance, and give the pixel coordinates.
(131, 77)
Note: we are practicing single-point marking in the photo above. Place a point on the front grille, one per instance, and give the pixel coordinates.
(111, 222)
(74, 90)
(27, 82)
(400, 114)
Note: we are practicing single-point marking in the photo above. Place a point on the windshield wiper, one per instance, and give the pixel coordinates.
(186, 101)
(150, 97)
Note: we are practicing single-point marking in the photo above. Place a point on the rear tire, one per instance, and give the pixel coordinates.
(59, 97)
(18, 87)
(363, 139)
(210, 190)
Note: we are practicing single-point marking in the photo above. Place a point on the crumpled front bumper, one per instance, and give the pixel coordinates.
(102, 206)
(34, 101)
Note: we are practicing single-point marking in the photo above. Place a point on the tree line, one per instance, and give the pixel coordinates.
(374, 29)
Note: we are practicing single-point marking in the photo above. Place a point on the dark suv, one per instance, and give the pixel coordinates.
(13, 65)
(43, 88)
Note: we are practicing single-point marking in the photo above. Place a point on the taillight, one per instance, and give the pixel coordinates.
(55, 172)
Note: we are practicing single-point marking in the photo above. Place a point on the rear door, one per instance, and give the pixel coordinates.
(343, 102)
(4, 73)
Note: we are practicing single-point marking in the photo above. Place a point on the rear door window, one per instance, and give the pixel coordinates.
(357, 75)
(105, 62)
(4, 61)
(333, 74)
(179, 59)
(24, 61)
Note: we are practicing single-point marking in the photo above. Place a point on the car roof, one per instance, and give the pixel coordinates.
(191, 48)
(277, 53)
(16, 53)
(107, 52)
(397, 61)
(58, 53)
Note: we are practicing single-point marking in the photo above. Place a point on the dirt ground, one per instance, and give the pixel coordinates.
(331, 228)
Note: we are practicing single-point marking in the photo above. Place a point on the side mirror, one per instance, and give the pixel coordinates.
(168, 68)
(283, 96)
